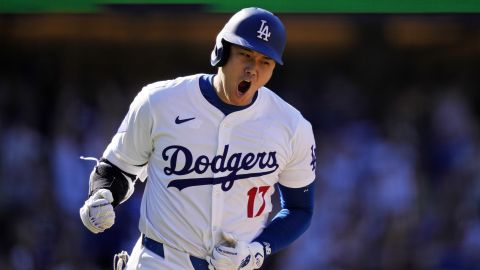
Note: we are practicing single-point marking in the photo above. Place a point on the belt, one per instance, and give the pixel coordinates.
(157, 248)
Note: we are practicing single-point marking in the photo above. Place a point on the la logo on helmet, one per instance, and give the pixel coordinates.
(263, 32)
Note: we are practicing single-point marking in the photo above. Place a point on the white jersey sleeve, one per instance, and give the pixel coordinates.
(300, 170)
(132, 145)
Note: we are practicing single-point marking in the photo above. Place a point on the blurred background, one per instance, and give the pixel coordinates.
(392, 92)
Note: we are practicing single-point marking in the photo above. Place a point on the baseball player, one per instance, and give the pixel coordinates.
(214, 148)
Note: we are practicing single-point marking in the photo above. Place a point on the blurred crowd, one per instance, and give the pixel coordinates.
(398, 152)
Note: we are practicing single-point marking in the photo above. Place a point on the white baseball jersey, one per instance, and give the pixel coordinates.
(208, 172)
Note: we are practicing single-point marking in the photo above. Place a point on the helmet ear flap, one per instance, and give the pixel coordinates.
(220, 53)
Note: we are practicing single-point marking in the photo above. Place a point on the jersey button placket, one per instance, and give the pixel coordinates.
(224, 132)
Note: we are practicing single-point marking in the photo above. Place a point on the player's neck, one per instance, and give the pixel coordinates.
(219, 87)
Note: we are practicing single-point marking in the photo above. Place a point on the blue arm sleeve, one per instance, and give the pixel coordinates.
(290, 222)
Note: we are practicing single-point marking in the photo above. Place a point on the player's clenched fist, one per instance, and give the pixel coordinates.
(236, 255)
(97, 213)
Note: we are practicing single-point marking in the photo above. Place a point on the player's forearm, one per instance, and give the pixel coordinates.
(106, 175)
(290, 222)
(285, 228)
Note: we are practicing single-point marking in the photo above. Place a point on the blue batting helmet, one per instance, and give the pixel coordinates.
(253, 28)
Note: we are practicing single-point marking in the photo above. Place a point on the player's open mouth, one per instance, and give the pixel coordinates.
(243, 86)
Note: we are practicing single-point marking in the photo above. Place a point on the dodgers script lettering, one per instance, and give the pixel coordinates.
(234, 163)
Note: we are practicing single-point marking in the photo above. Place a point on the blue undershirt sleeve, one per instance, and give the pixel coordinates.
(291, 221)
